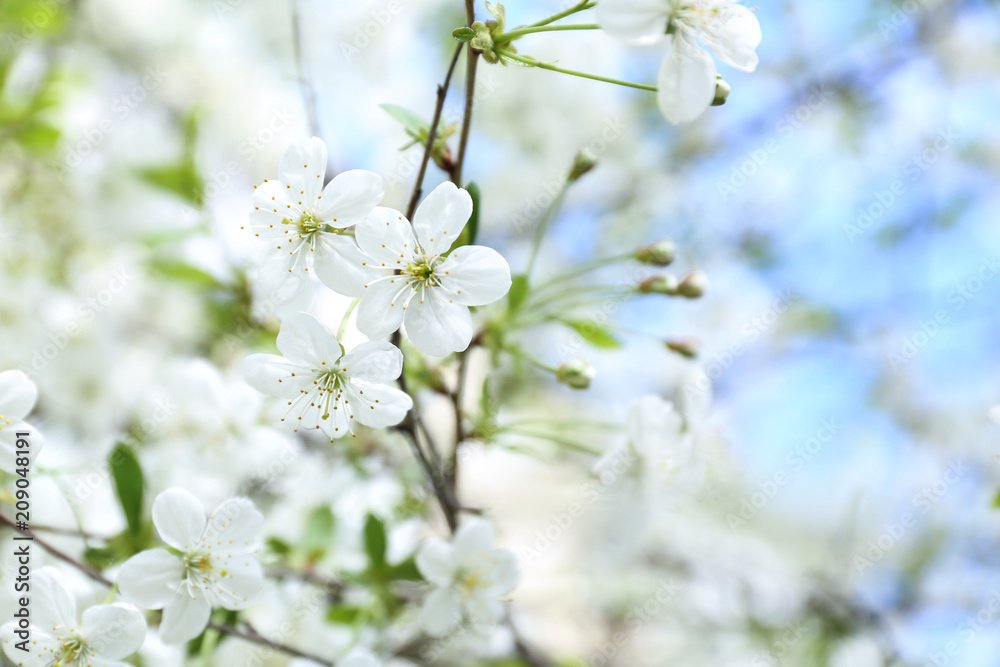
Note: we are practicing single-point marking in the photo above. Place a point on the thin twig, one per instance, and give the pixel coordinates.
(442, 93)
(308, 94)
(94, 574)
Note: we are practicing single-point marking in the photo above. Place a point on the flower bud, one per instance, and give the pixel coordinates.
(584, 161)
(686, 347)
(693, 284)
(576, 374)
(721, 92)
(662, 284)
(463, 34)
(660, 253)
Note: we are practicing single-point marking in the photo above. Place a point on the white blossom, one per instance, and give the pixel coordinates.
(215, 567)
(469, 575)
(325, 387)
(17, 397)
(433, 291)
(302, 223)
(687, 77)
(102, 637)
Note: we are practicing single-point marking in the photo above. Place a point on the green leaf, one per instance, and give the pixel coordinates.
(471, 231)
(130, 486)
(279, 546)
(185, 273)
(518, 292)
(413, 123)
(407, 570)
(181, 178)
(343, 615)
(463, 34)
(375, 542)
(319, 532)
(594, 334)
(996, 500)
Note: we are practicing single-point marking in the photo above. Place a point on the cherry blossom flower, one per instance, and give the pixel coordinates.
(326, 388)
(432, 291)
(469, 576)
(687, 78)
(17, 397)
(102, 637)
(303, 223)
(215, 566)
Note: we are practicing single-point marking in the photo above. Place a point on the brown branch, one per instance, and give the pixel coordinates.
(252, 636)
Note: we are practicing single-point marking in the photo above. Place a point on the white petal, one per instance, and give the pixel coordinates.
(436, 561)
(377, 405)
(653, 425)
(234, 526)
(302, 168)
(350, 197)
(338, 419)
(380, 311)
(437, 325)
(733, 34)
(51, 604)
(304, 340)
(686, 81)
(42, 647)
(17, 395)
(441, 217)
(184, 617)
(474, 537)
(340, 264)
(374, 361)
(281, 276)
(635, 21)
(179, 518)
(150, 579)
(484, 610)
(505, 573)
(476, 275)
(441, 612)
(113, 632)
(272, 205)
(387, 237)
(272, 375)
(241, 582)
(9, 451)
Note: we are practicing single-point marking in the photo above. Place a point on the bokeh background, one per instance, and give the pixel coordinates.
(843, 204)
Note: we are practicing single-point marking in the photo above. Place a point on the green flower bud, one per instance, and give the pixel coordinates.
(576, 374)
(662, 284)
(693, 285)
(721, 92)
(660, 253)
(584, 161)
(686, 347)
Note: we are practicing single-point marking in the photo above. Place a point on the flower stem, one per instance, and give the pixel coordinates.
(347, 316)
(521, 32)
(586, 4)
(534, 63)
